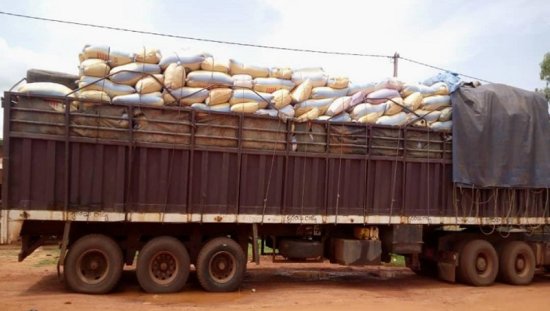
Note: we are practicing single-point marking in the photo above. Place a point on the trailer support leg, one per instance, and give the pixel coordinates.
(255, 249)
(63, 251)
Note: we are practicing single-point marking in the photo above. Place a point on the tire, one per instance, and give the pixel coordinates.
(478, 263)
(221, 265)
(93, 265)
(163, 265)
(517, 263)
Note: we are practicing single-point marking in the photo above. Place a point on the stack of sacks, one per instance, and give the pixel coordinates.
(124, 71)
(434, 109)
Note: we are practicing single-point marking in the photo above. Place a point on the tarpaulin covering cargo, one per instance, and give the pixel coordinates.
(501, 137)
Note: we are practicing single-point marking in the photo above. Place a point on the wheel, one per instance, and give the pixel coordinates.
(163, 265)
(517, 263)
(221, 265)
(93, 265)
(478, 263)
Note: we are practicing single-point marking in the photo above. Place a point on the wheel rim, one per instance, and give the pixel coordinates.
(222, 266)
(483, 265)
(93, 266)
(521, 265)
(163, 267)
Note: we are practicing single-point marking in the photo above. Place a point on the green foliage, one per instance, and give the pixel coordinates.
(545, 75)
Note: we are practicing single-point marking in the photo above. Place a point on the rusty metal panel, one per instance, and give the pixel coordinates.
(214, 182)
(158, 180)
(261, 184)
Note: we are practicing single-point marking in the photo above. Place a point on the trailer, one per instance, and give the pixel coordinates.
(176, 187)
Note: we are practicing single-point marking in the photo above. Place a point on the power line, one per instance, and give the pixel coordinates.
(192, 38)
(443, 69)
(232, 42)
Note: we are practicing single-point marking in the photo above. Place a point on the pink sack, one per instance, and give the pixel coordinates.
(381, 96)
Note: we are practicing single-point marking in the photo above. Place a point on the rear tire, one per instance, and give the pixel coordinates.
(93, 265)
(517, 263)
(478, 263)
(221, 265)
(163, 265)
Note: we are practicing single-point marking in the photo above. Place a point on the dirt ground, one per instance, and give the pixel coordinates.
(33, 285)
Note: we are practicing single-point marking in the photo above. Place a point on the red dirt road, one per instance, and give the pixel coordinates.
(33, 285)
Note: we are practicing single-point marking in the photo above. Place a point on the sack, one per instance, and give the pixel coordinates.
(150, 84)
(149, 56)
(236, 68)
(242, 81)
(443, 126)
(370, 118)
(446, 114)
(185, 95)
(316, 76)
(366, 88)
(94, 67)
(243, 96)
(211, 64)
(200, 106)
(225, 107)
(308, 105)
(302, 91)
(45, 89)
(381, 96)
(281, 73)
(218, 96)
(364, 109)
(190, 59)
(394, 106)
(395, 120)
(428, 116)
(327, 92)
(174, 76)
(286, 113)
(120, 76)
(340, 104)
(249, 107)
(112, 89)
(439, 88)
(343, 117)
(104, 52)
(267, 112)
(84, 96)
(390, 83)
(270, 85)
(208, 79)
(436, 102)
(338, 83)
(310, 115)
(153, 99)
(413, 101)
(281, 98)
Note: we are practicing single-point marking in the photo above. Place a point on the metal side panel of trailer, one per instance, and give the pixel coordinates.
(119, 163)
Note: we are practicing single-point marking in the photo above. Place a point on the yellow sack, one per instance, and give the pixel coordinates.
(93, 96)
(281, 73)
(281, 98)
(270, 85)
(249, 107)
(338, 82)
(393, 108)
(370, 118)
(211, 64)
(150, 56)
(310, 115)
(436, 102)
(174, 76)
(219, 96)
(225, 107)
(94, 67)
(446, 114)
(236, 68)
(186, 95)
(302, 91)
(149, 84)
(413, 101)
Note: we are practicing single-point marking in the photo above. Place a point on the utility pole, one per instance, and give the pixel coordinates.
(395, 64)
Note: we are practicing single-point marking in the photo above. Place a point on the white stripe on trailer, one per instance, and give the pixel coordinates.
(19, 215)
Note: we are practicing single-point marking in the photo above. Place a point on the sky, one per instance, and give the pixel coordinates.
(499, 41)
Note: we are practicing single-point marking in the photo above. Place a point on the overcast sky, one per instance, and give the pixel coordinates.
(499, 41)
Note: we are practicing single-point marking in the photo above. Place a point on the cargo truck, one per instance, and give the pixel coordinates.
(172, 188)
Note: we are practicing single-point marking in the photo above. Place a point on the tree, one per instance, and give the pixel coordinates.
(545, 75)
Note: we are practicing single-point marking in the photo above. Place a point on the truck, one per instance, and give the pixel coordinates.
(171, 189)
